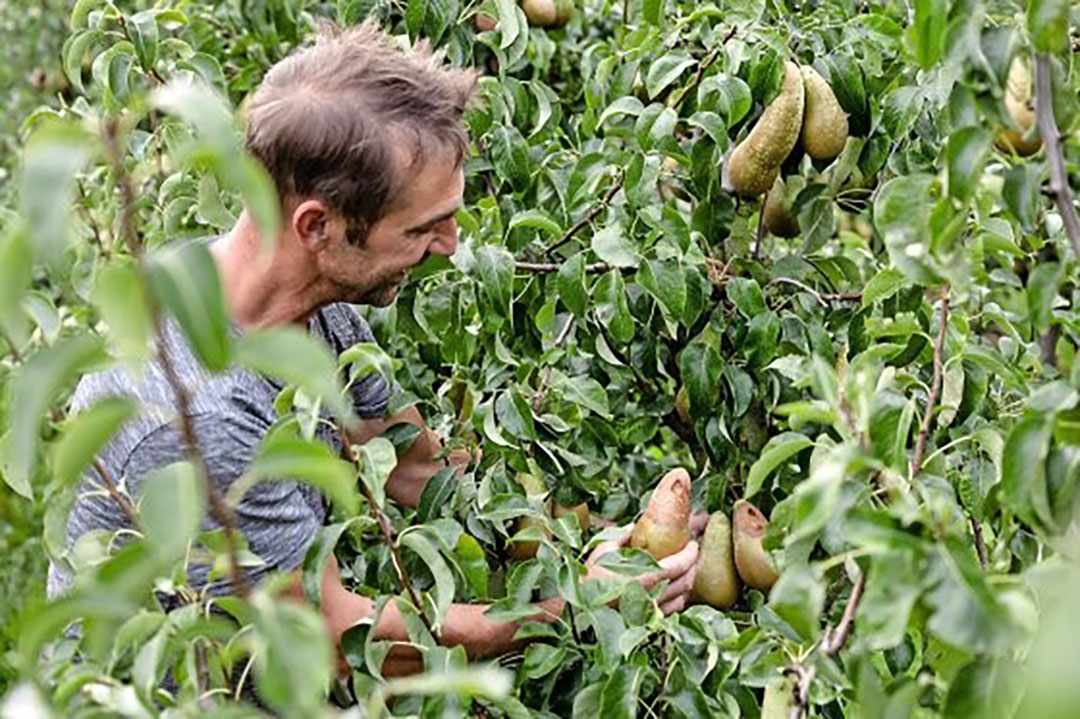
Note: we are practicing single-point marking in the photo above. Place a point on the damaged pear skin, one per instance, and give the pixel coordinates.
(664, 529)
(753, 562)
(1018, 103)
(825, 124)
(716, 582)
(755, 164)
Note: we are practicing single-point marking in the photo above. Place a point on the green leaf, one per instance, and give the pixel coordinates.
(473, 562)
(779, 449)
(121, 297)
(746, 295)
(665, 71)
(417, 540)
(666, 282)
(285, 455)
(291, 355)
(52, 157)
(81, 11)
(1023, 470)
(700, 366)
(171, 507)
(966, 153)
(883, 285)
(1042, 289)
(495, 266)
(185, 281)
(378, 457)
(85, 435)
(570, 282)
(902, 216)
(293, 656)
(318, 554)
(73, 53)
(437, 494)
(1048, 24)
(16, 263)
(538, 220)
(989, 688)
(926, 36)
(619, 697)
(143, 31)
(510, 154)
(33, 388)
(798, 598)
(613, 247)
(1020, 193)
(542, 659)
(587, 392)
(515, 415)
(652, 11)
(612, 310)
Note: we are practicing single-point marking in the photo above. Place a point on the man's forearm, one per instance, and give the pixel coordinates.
(464, 625)
(416, 466)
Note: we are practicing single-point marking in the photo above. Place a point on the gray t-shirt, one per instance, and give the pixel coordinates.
(232, 412)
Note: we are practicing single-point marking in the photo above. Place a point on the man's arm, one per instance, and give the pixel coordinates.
(414, 468)
(467, 626)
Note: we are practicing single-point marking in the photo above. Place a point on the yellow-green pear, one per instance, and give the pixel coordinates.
(779, 698)
(755, 566)
(1019, 102)
(664, 529)
(716, 582)
(825, 124)
(755, 163)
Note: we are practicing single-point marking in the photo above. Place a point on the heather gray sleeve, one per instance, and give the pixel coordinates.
(278, 518)
(342, 328)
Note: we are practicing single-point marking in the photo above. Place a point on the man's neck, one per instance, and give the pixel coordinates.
(265, 286)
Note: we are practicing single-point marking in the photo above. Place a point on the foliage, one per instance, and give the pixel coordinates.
(897, 387)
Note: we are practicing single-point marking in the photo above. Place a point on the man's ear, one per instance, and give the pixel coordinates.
(312, 222)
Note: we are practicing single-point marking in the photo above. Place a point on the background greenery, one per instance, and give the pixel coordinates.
(896, 387)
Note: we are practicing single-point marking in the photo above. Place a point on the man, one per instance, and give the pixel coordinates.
(365, 144)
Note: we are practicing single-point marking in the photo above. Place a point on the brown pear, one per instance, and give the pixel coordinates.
(716, 582)
(682, 406)
(755, 566)
(581, 511)
(778, 217)
(484, 22)
(755, 164)
(664, 529)
(825, 124)
(548, 13)
(1019, 102)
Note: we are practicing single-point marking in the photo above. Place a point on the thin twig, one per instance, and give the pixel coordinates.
(935, 385)
(220, 510)
(1059, 179)
(83, 205)
(702, 67)
(760, 232)
(831, 643)
(127, 193)
(541, 388)
(388, 536)
(823, 298)
(980, 543)
(117, 496)
(587, 217)
(541, 267)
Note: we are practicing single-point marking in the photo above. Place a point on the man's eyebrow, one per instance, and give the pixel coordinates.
(433, 221)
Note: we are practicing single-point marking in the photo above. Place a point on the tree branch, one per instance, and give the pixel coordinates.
(980, 543)
(1059, 179)
(935, 385)
(387, 532)
(541, 267)
(587, 217)
(760, 232)
(822, 298)
(831, 643)
(114, 492)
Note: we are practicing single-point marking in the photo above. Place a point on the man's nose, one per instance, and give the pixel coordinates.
(447, 241)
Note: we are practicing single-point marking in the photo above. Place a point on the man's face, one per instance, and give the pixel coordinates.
(421, 223)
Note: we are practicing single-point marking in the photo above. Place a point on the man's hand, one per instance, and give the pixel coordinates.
(678, 569)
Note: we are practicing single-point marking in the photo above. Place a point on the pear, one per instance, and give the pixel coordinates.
(664, 529)
(778, 217)
(483, 22)
(682, 407)
(581, 511)
(755, 566)
(548, 13)
(716, 582)
(1020, 105)
(755, 164)
(825, 124)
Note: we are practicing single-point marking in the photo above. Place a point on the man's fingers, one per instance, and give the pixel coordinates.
(698, 522)
(675, 605)
(680, 587)
(681, 562)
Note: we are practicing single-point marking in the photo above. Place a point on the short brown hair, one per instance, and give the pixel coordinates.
(326, 121)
